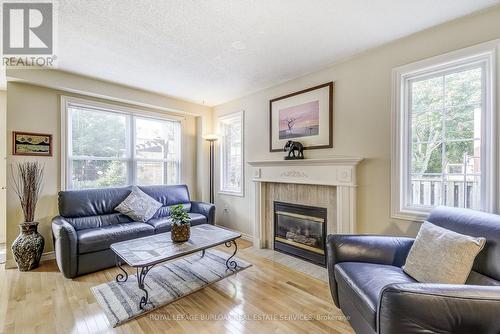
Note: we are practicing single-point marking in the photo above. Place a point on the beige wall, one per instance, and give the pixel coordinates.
(34, 108)
(362, 120)
(3, 164)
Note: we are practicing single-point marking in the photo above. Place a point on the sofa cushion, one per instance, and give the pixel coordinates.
(164, 224)
(439, 255)
(161, 225)
(478, 224)
(81, 223)
(168, 195)
(363, 282)
(91, 202)
(97, 239)
(164, 211)
(139, 206)
(197, 219)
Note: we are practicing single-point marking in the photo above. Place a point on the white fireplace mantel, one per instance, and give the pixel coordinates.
(339, 172)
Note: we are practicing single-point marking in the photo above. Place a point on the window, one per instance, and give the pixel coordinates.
(443, 144)
(107, 146)
(231, 154)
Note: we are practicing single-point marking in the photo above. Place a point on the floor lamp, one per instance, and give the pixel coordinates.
(211, 139)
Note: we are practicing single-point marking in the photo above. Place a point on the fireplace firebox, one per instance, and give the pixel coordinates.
(300, 230)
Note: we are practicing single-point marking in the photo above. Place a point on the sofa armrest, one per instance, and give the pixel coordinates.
(65, 246)
(364, 248)
(438, 308)
(368, 248)
(206, 209)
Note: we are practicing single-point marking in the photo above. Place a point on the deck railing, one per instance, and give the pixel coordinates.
(456, 190)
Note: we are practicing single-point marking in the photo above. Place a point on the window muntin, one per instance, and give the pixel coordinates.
(107, 148)
(231, 130)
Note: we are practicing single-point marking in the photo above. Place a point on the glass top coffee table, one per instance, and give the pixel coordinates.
(146, 252)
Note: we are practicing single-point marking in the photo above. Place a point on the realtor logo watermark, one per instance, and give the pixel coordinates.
(28, 34)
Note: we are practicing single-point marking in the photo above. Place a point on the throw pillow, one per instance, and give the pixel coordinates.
(442, 256)
(139, 206)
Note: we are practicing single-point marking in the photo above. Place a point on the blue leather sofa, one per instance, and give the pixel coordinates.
(368, 284)
(87, 224)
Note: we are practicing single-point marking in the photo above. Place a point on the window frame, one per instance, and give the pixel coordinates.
(132, 113)
(222, 155)
(484, 55)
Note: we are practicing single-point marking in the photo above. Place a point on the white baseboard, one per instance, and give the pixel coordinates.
(48, 256)
(11, 263)
(244, 236)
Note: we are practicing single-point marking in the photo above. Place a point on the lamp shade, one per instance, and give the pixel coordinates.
(210, 137)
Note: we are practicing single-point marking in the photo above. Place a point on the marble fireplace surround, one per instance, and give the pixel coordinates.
(329, 182)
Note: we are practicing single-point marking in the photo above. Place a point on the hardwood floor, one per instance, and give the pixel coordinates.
(266, 298)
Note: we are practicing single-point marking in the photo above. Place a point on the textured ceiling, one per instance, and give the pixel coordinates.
(215, 50)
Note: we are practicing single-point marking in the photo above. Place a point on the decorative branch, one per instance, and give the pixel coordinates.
(28, 185)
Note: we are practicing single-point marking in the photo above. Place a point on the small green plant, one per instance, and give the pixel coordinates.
(179, 215)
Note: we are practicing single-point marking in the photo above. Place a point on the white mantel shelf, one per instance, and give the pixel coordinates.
(339, 172)
(306, 162)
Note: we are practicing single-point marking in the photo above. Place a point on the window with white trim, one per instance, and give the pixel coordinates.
(108, 147)
(444, 134)
(231, 154)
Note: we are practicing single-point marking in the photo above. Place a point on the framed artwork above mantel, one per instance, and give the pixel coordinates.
(305, 116)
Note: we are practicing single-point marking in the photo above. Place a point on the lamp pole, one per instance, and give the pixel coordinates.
(211, 139)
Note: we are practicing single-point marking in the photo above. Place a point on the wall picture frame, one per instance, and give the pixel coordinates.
(32, 144)
(305, 116)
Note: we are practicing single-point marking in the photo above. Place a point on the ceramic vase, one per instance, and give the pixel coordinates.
(28, 246)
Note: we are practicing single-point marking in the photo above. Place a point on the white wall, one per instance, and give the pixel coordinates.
(33, 108)
(362, 119)
(3, 165)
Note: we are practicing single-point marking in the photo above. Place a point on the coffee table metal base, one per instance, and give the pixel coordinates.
(141, 276)
(231, 264)
(143, 271)
(120, 277)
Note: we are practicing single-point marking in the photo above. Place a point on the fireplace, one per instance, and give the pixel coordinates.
(300, 230)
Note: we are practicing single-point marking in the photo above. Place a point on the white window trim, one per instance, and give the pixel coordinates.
(66, 132)
(485, 54)
(240, 193)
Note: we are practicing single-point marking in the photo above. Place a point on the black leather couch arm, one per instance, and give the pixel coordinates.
(368, 248)
(206, 209)
(364, 248)
(65, 246)
(439, 308)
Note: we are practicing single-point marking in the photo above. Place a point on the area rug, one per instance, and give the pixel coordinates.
(165, 283)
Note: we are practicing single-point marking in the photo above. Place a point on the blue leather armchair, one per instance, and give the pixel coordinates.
(368, 284)
(87, 224)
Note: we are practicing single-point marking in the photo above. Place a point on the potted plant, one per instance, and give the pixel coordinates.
(28, 246)
(180, 224)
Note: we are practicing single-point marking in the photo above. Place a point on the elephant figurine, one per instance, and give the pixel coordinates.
(292, 146)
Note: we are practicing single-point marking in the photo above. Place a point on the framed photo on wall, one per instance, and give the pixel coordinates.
(305, 116)
(35, 144)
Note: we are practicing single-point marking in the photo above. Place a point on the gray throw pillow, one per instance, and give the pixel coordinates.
(442, 256)
(139, 206)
